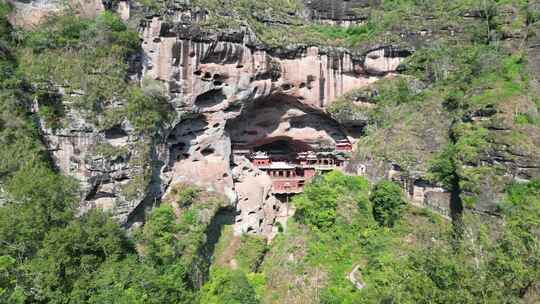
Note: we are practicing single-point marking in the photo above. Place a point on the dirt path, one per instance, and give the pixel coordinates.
(227, 257)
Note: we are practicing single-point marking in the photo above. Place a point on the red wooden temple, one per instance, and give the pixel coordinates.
(290, 176)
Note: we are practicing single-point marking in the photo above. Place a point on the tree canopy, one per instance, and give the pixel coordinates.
(388, 203)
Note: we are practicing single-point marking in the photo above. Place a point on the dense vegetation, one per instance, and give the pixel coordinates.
(418, 260)
(278, 23)
(89, 59)
(49, 255)
(459, 99)
(388, 203)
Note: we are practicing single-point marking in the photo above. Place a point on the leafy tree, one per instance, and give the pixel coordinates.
(228, 287)
(159, 236)
(9, 291)
(18, 135)
(72, 253)
(388, 203)
(129, 281)
(515, 257)
(34, 208)
(318, 204)
(172, 245)
(443, 168)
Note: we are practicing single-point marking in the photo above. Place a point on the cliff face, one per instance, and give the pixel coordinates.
(113, 165)
(341, 12)
(225, 85)
(237, 92)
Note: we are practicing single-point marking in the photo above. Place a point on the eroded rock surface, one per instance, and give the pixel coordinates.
(340, 12)
(257, 208)
(242, 93)
(102, 161)
(224, 87)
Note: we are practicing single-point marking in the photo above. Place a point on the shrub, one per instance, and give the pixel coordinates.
(84, 56)
(185, 196)
(388, 203)
(443, 168)
(228, 287)
(146, 112)
(317, 206)
(159, 236)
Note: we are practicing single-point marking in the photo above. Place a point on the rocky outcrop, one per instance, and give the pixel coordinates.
(258, 209)
(228, 87)
(224, 86)
(191, 67)
(103, 161)
(339, 12)
(242, 93)
(282, 118)
(31, 13)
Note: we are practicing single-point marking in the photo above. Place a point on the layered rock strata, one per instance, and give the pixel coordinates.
(243, 93)
(224, 86)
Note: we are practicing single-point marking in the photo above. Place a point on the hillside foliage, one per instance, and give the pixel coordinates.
(49, 253)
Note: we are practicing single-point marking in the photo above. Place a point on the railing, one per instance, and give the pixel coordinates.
(286, 179)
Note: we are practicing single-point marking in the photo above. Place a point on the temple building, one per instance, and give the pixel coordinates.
(344, 146)
(290, 172)
(285, 178)
(322, 160)
(260, 159)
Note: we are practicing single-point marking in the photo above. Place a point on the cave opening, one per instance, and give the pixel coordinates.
(182, 137)
(290, 141)
(116, 132)
(281, 124)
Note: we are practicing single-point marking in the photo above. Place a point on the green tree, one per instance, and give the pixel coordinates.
(39, 201)
(317, 205)
(228, 287)
(73, 253)
(515, 257)
(388, 203)
(159, 237)
(172, 246)
(443, 168)
(129, 281)
(9, 291)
